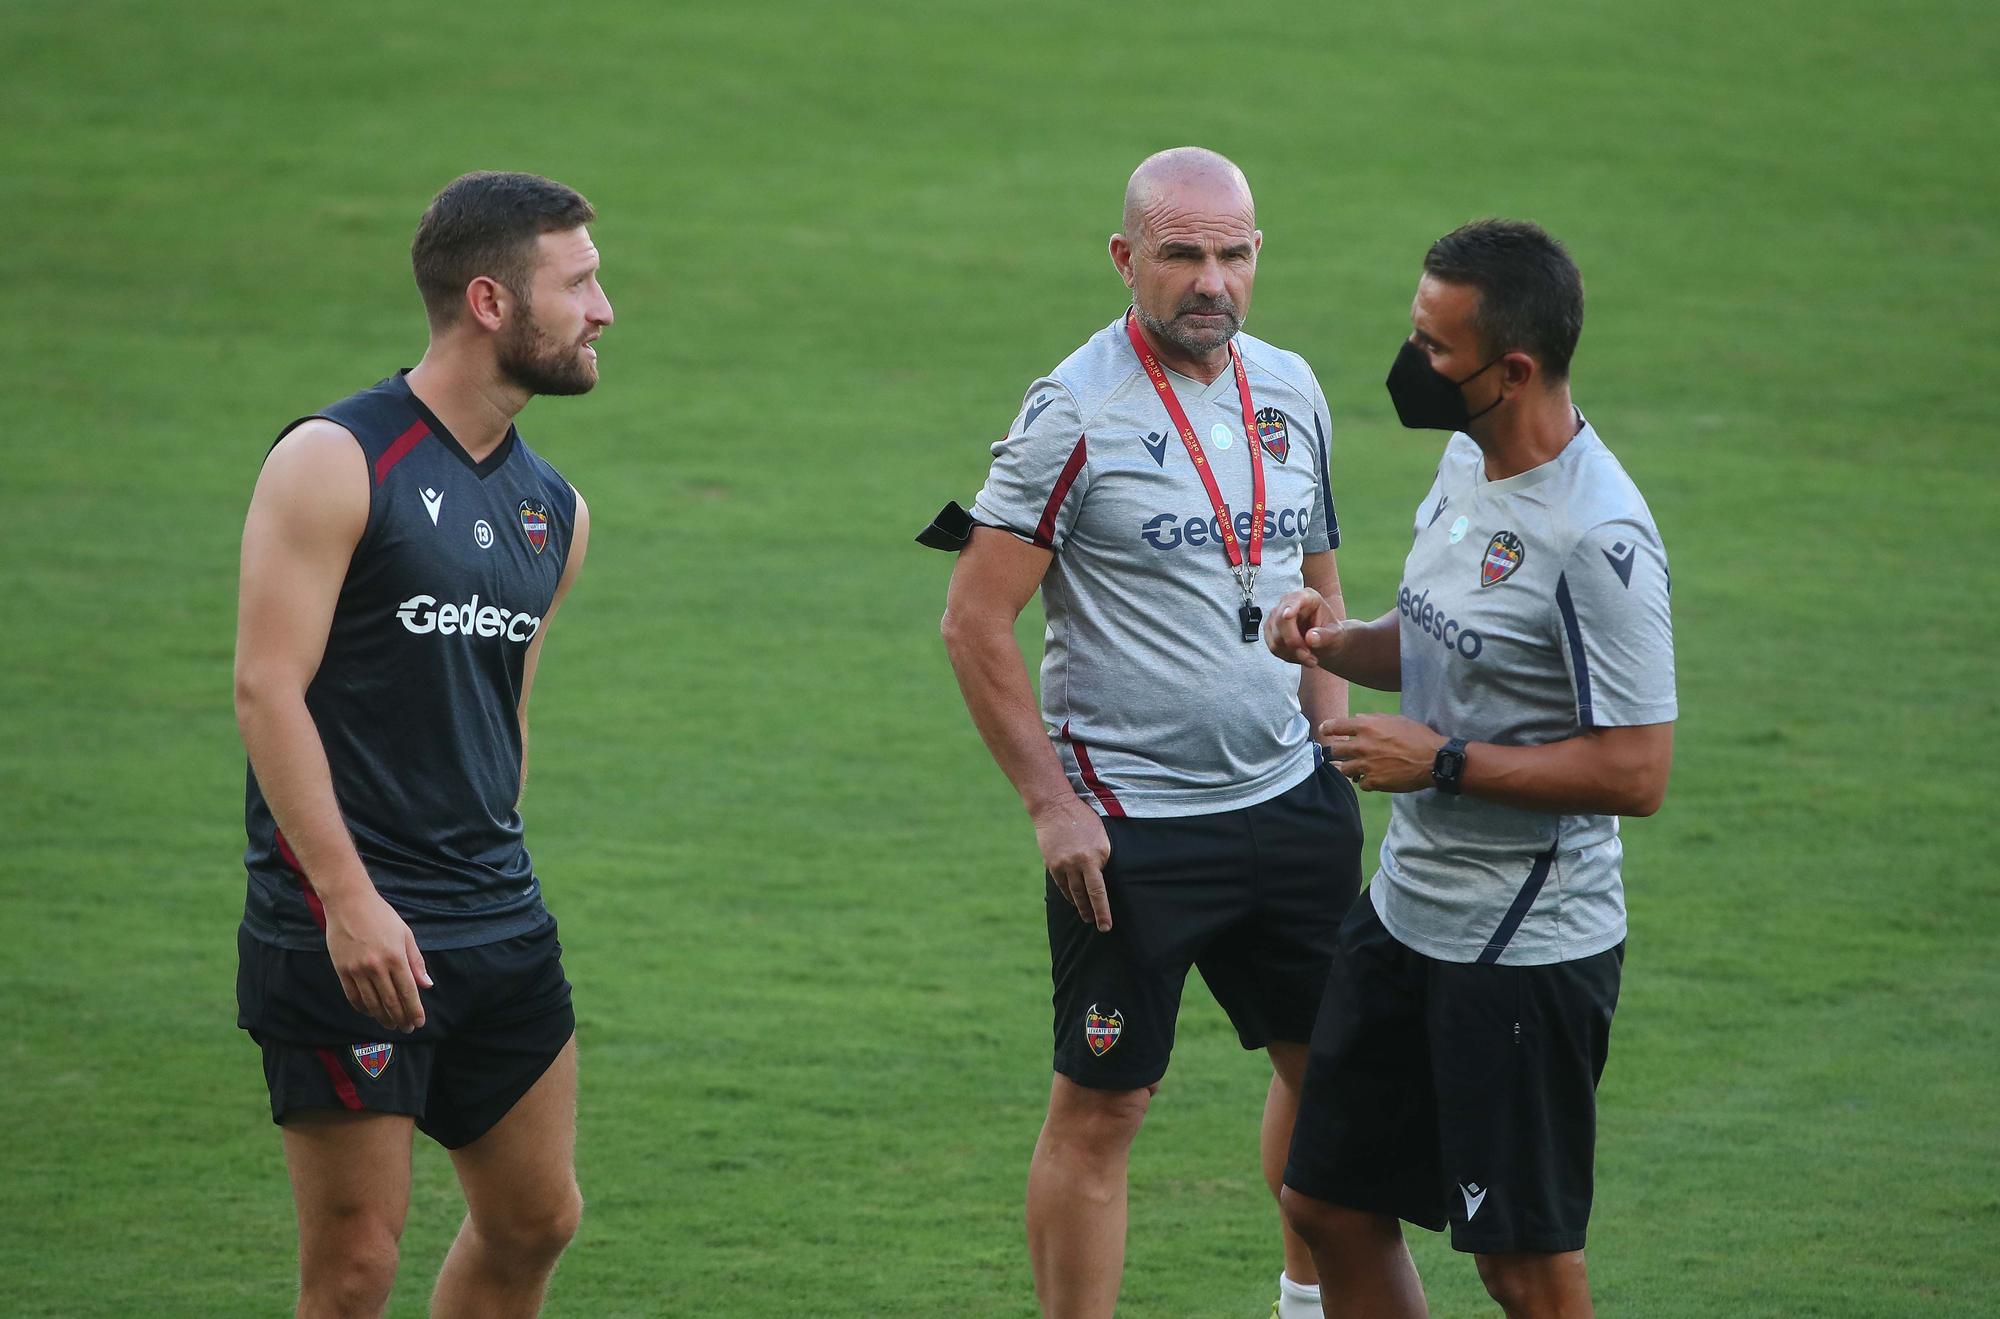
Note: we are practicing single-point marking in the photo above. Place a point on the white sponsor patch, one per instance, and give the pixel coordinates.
(423, 614)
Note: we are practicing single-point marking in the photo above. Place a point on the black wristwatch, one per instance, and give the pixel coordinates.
(1448, 770)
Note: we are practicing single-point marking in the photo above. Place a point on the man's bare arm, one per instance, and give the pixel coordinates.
(995, 577)
(306, 517)
(1312, 632)
(1606, 771)
(1600, 771)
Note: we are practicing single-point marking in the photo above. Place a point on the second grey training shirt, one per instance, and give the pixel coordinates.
(1532, 609)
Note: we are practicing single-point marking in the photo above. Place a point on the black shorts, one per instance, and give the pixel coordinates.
(1252, 897)
(1451, 1092)
(495, 1018)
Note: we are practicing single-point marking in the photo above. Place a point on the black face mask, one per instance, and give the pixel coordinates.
(1425, 399)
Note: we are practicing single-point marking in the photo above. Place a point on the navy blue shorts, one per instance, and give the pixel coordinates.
(1252, 898)
(495, 1018)
(1455, 1093)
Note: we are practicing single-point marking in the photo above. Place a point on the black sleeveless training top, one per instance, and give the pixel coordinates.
(417, 696)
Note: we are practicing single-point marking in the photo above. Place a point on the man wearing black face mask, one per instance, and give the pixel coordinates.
(1453, 1070)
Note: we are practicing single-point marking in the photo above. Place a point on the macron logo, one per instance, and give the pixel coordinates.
(1475, 1196)
(433, 501)
(1619, 556)
(1039, 406)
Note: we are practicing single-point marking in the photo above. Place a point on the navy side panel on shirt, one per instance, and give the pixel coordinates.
(416, 699)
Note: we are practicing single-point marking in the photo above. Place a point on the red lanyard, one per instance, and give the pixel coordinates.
(1166, 391)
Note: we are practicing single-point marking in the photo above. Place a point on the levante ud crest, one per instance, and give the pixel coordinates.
(1101, 1029)
(535, 523)
(373, 1058)
(1271, 433)
(1503, 555)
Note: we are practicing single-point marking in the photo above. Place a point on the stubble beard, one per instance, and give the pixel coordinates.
(1198, 341)
(536, 361)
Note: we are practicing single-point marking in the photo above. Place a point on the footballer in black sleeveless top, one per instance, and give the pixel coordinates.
(403, 556)
(416, 703)
(416, 697)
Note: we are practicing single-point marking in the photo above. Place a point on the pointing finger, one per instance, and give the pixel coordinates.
(1100, 902)
(1072, 886)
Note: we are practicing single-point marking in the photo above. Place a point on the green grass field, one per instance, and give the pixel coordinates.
(800, 906)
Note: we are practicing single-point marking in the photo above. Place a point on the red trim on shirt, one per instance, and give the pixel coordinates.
(1046, 531)
(398, 448)
(341, 1085)
(1110, 803)
(313, 904)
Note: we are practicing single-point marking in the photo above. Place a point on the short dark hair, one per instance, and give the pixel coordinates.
(1530, 292)
(486, 223)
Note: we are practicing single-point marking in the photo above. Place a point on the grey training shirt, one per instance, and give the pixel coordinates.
(1531, 609)
(1156, 704)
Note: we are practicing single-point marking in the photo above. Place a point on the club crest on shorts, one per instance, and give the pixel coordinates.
(535, 522)
(1271, 433)
(1101, 1029)
(1503, 555)
(373, 1058)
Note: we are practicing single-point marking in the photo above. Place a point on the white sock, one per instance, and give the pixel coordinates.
(1297, 1300)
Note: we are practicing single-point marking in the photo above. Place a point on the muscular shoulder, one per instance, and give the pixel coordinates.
(315, 484)
(317, 450)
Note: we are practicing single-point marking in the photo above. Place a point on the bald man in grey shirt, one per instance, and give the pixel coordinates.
(1162, 487)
